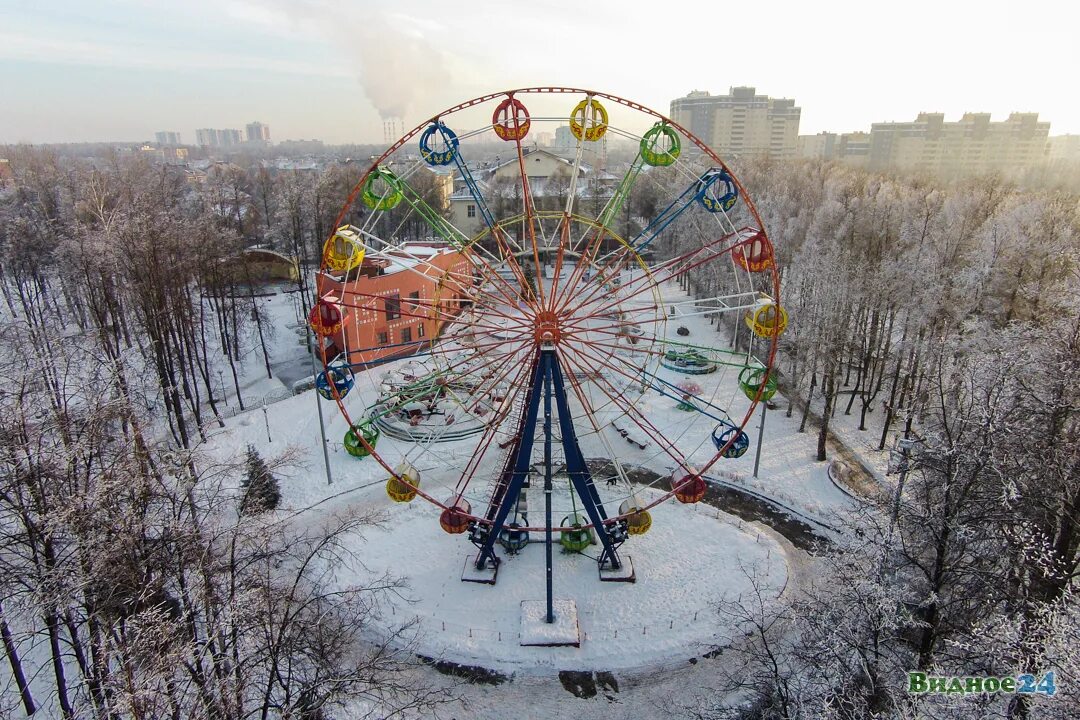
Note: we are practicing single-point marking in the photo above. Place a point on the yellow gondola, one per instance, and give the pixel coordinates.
(345, 250)
(401, 487)
(766, 318)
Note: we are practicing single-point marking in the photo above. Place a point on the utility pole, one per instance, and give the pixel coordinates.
(318, 406)
(760, 435)
(904, 445)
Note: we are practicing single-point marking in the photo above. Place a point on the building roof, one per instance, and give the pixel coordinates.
(406, 256)
(528, 152)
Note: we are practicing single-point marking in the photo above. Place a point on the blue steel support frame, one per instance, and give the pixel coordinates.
(548, 371)
(695, 192)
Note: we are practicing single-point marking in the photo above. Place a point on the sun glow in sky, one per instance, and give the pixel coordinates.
(86, 70)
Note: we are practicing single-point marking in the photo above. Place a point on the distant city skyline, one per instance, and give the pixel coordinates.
(122, 70)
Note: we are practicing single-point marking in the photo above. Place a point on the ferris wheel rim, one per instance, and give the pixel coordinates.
(762, 237)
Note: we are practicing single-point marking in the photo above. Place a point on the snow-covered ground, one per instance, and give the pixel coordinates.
(787, 470)
(692, 559)
(653, 632)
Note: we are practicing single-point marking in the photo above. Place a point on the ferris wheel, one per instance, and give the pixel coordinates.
(537, 340)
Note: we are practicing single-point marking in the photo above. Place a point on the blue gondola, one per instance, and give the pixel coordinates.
(438, 157)
(342, 378)
(512, 537)
(723, 432)
(717, 191)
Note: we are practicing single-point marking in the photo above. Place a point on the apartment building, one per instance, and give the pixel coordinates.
(741, 123)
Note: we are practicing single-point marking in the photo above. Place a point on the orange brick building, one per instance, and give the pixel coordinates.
(396, 302)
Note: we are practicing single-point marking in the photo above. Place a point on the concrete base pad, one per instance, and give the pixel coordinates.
(624, 573)
(486, 576)
(537, 632)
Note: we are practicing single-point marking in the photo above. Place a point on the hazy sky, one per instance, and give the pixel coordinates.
(75, 70)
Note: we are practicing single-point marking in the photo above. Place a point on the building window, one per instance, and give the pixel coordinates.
(406, 334)
(392, 306)
(470, 210)
(383, 338)
(420, 330)
(414, 299)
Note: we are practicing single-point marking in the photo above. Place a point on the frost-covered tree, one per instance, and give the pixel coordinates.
(260, 490)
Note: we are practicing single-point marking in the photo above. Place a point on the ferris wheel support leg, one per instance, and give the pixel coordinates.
(611, 535)
(485, 538)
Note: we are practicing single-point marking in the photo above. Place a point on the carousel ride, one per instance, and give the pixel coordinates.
(522, 417)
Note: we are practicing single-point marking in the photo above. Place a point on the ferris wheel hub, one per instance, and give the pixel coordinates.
(548, 329)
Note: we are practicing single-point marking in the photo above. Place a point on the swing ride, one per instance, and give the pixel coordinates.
(539, 336)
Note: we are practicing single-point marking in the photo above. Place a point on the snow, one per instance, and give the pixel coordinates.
(692, 558)
(562, 630)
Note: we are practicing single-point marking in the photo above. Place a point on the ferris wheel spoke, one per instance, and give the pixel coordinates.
(493, 326)
(590, 414)
(505, 414)
(530, 210)
(493, 317)
(564, 236)
(613, 328)
(630, 410)
(487, 272)
(616, 347)
(669, 389)
(468, 407)
(524, 289)
(498, 371)
(584, 262)
(571, 195)
(607, 272)
(488, 304)
(582, 359)
(491, 373)
(581, 294)
(663, 350)
(418, 260)
(492, 352)
(671, 270)
(485, 269)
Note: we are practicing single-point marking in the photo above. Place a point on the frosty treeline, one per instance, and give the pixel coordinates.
(137, 579)
(951, 314)
(132, 586)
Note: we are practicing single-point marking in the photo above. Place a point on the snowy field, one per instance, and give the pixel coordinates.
(787, 471)
(693, 557)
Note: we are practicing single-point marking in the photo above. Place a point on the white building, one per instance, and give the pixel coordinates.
(972, 145)
(549, 177)
(258, 133)
(741, 123)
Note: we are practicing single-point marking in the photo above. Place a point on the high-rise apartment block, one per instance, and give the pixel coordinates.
(564, 139)
(972, 145)
(167, 137)
(258, 133)
(1064, 148)
(741, 122)
(209, 137)
(852, 148)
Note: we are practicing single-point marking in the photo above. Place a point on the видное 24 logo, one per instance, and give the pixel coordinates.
(920, 682)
